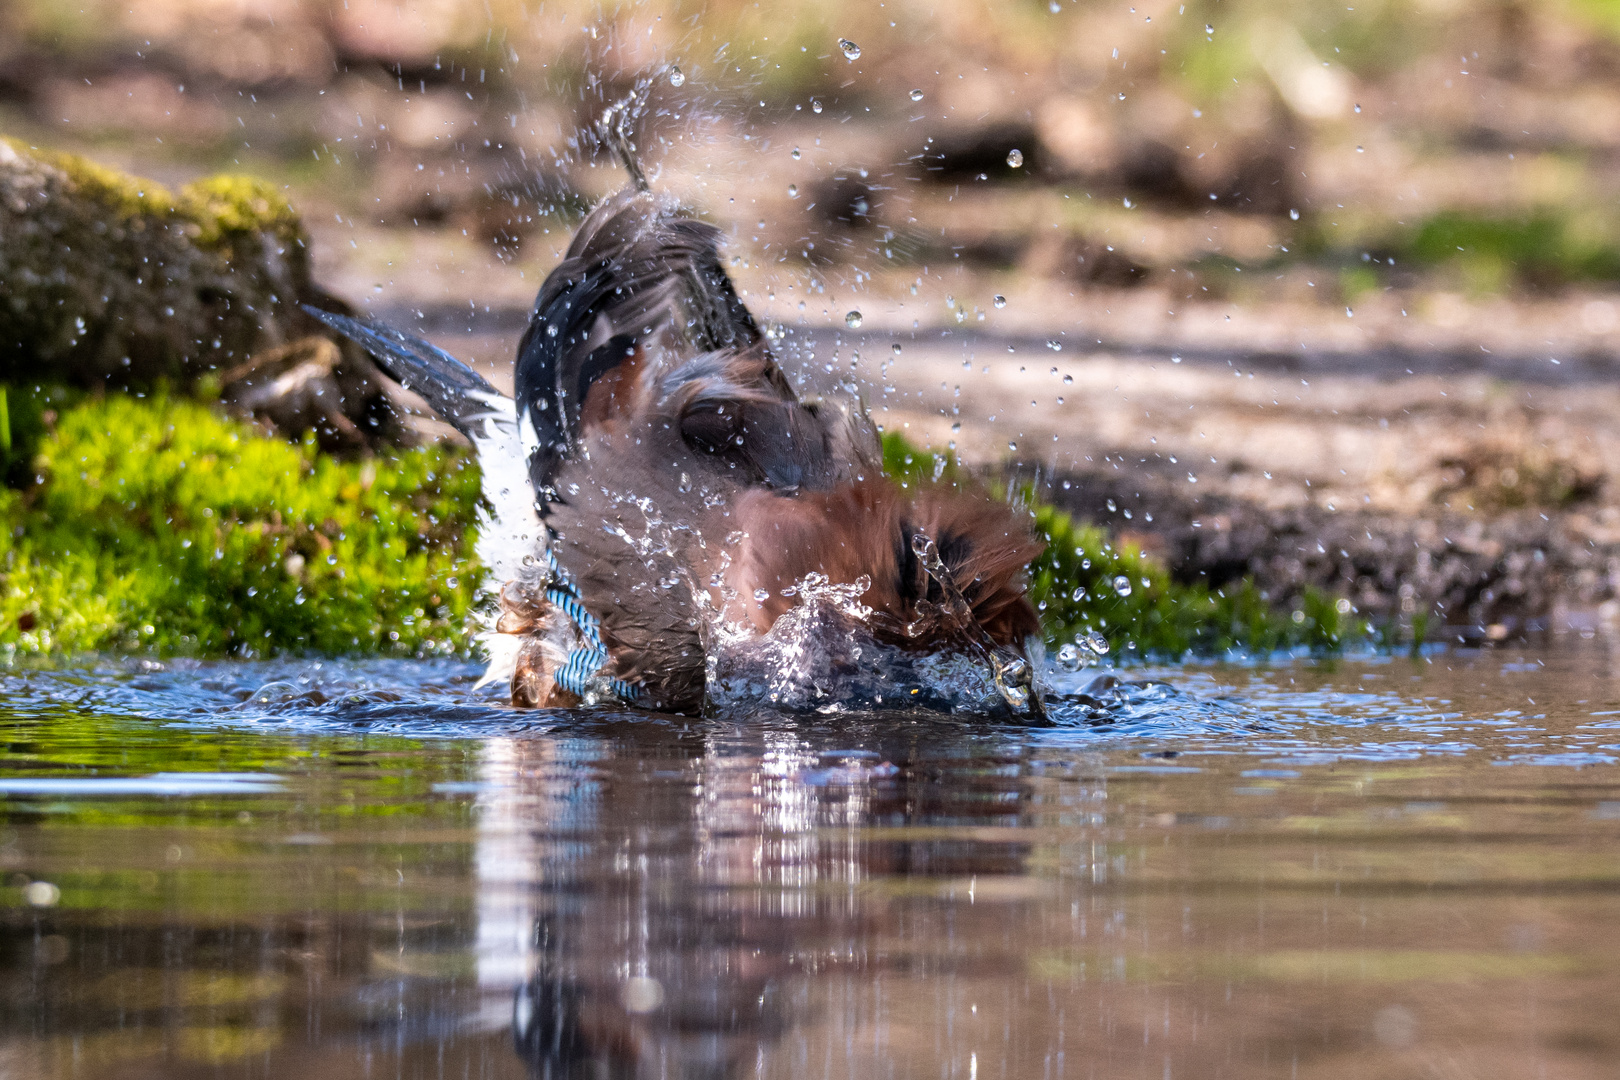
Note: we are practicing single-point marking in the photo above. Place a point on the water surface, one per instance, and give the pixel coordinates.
(1385, 868)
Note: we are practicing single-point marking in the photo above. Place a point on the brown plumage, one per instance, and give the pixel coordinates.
(678, 476)
(683, 475)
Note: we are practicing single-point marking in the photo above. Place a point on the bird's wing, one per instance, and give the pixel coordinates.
(510, 532)
(643, 283)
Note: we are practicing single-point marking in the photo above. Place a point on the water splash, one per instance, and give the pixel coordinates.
(822, 656)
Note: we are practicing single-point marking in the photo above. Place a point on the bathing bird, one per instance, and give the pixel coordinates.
(669, 523)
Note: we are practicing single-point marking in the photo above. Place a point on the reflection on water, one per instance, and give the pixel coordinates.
(1371, 868)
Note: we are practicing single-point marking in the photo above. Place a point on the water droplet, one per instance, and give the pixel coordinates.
(1079, 594)
(41, 894)
(1208, 29)
(1361, 149)
(895, 348)
(1015, 158)
(1095, 642)
(1068, 380)
(851, 50)
(762, 595)
(1293, 215)
(815, 107)
(795, 155)
(1054, 7)
(1068, 658)
(1000, 301)
(1122, 585)
(1358, 106)
(676, 77)
(853, 320)
(1054, 344)
(793, 191)
(916, 95)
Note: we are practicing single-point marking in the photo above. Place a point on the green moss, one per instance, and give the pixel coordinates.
(127, 196)
(226, 206)
(160, 526)
(1543, 248)
(1085, 583)
(219, 206)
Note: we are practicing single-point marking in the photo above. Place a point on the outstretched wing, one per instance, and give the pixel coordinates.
(641, 284)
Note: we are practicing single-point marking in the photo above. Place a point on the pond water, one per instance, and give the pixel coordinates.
(1383, 867)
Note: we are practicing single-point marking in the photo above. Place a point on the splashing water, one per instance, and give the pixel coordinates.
(823, 655)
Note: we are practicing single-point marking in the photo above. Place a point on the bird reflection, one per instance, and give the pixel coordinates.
(698, 897)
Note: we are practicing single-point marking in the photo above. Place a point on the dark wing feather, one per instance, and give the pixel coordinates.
(457, 394)
(636, 270)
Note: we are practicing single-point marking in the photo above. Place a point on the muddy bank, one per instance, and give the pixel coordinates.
(1473, 578)
(1482, 501)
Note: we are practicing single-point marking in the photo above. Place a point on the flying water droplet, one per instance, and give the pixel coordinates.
(1068, 658)
(916, 95)
(1054, 344)
(853, 320)
(895, 348)
(676, 77)
(851, 50)
(1208, 29)
(793, 191)
(815, 107)
(1096, 643)
(795, 155)
(1000, 301)
(1122, 585)
(762, 595)
(1068, 380)
(1015, 158)
(1079, 594)
(1293, 215)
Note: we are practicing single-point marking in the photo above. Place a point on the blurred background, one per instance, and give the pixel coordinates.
(1287, 290)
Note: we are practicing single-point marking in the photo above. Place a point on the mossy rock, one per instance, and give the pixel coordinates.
(106, 277)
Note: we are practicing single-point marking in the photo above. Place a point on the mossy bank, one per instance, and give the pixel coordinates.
(157, 525)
